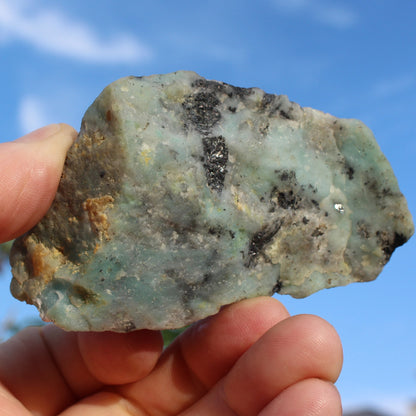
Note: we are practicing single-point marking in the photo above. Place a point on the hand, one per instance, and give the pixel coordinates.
(249, 359)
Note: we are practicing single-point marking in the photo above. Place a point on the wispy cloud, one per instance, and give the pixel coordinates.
(197, 46)
(388, 87)
(334, 14)
(32, 114)
(391, 405)
(53, 32)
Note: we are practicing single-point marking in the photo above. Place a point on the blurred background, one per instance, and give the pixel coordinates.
(350, 58)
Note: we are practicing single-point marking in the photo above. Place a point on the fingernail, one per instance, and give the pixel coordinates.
(40, 134)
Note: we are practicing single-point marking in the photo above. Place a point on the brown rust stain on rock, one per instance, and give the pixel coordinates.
(41, 267)
(41, 260)
(95, 208)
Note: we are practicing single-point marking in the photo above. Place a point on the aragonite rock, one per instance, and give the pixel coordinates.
(182, 195)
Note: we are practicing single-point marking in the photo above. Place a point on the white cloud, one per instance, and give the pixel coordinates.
(336, 15)
(51, 31)
(32, 114)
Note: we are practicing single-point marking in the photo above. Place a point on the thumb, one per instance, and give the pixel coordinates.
(30, 169)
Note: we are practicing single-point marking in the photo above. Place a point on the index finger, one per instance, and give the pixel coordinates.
(29, 176)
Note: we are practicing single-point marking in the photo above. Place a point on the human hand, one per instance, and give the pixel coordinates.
(249, 359)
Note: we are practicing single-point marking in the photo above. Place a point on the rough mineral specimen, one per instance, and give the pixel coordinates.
(182, 195)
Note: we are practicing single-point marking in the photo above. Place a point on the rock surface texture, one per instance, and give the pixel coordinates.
(182, 195)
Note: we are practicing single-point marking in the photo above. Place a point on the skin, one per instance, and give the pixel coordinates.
(251, 358)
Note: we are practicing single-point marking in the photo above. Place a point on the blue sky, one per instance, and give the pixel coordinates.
(353, 59)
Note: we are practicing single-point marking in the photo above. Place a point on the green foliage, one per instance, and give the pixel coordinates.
(11, 326)
(5, 251)
(5, 247)
(169, 335)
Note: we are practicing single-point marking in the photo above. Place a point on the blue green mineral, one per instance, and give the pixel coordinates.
(182, 195)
